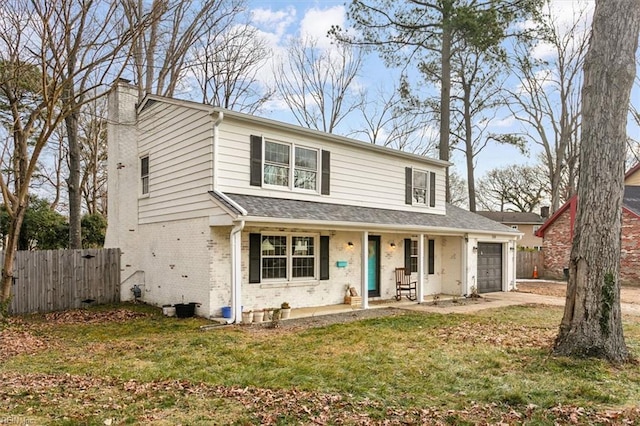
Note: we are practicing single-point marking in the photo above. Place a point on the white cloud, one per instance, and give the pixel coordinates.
(317, 22)
(273, 22)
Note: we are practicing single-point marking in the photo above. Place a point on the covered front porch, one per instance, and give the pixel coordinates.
(310, 254)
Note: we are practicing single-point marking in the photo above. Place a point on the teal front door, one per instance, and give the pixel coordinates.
(374, 266)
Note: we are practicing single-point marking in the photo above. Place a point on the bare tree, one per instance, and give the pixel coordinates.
(162, 52)
(477, 79)
(318, 84)
(36, 85)
(226, 68)
(514, 188)
(547, 100)
(93, 156)
(592, 321)
(389, 120)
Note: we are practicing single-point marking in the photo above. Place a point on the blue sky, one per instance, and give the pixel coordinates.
(279, 19)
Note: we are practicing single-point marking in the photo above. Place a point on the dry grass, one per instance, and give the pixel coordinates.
(138, 367)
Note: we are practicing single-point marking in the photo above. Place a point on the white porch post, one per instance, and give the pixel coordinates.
(465, 265)
(420, 292)
(364, 285)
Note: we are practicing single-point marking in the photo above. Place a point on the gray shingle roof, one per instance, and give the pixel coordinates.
(513, 217)
(281, 208)
(632, 198)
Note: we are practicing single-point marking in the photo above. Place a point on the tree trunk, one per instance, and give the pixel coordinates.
(468, 150)
(445, 97)
(592, 323)
(9, 256)
(73, 182)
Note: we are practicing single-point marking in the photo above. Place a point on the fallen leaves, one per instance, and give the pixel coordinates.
(500, 334)
(83, 316)
(277, 406)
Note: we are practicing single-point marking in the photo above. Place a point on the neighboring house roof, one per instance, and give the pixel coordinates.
(269, 209)
(513, 217)
(630, 202)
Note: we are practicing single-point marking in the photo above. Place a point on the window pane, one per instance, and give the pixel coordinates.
(304, 179)
(145, 185)
(419, 179)
(302, 246)
(303, 267)
(276, 153)
(144, 166)
(307, 158)
(276, 175)
(274, 246)
(274, 267)
(419, 196)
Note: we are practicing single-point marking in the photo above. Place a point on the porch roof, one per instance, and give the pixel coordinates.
(282, 210)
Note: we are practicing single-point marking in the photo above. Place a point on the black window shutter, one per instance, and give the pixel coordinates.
(255, 244)
(432, 189)
(407, 255)
(408, 191)
(325, 184)
(324, 257)
(256, 161)
(432, 257)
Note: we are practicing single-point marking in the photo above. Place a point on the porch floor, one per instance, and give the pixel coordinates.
(373, 304)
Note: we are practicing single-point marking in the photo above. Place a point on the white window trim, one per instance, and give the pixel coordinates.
(142, 194)
(427, 193)
(316, 257)
(292, 162)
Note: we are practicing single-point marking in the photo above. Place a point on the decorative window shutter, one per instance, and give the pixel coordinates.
(408, 192)
(432, 257)
(432, 189)
(255, 250)
(256, 161)
(325, 184)
(407, 255)
(324, 257)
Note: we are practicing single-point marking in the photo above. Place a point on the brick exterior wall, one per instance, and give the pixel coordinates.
(557, 248)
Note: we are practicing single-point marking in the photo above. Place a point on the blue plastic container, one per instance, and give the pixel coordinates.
(226, 311)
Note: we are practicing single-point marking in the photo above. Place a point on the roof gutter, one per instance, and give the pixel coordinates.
(431, 230)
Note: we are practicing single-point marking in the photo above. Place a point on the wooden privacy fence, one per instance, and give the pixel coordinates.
(526, 261)
(54, 280)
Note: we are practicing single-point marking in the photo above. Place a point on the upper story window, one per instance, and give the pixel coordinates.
(144, 174)
(289, 166)
(420, 181)
(420, 187)
(280, 170)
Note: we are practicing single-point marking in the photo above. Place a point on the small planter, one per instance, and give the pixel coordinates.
(185, 310)
(258, 316)
(268, 315)
(285, 313)
(247, 317)
(168, 311)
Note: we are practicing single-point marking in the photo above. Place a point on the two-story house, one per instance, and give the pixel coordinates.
(227, 209)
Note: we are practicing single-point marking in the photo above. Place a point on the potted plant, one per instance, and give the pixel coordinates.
(247, 317)
(285, 310)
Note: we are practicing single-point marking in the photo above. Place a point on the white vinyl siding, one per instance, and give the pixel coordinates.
(359, 176)
(179, 143)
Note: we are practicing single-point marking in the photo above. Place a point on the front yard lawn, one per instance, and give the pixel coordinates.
(130, 365)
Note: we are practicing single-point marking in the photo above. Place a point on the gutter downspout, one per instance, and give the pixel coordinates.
(216, 138)
(235, 244)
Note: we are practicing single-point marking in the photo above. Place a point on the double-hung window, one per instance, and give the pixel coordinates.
(297, 171)
(286, 257)
(414, 256)
(420, 185)
(144, 174)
